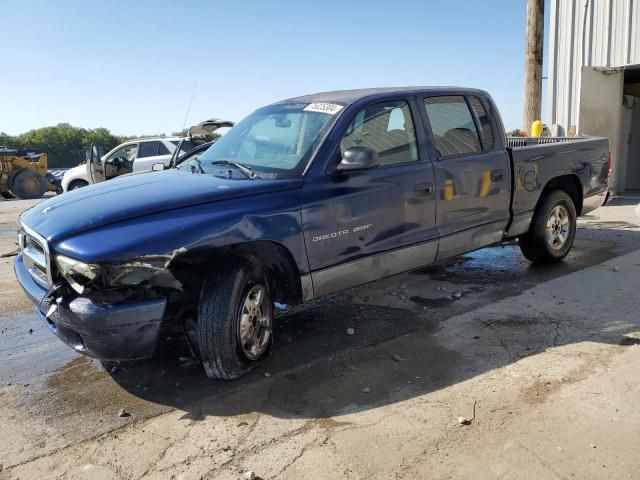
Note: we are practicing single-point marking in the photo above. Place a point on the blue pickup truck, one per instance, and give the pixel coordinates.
(303, 198)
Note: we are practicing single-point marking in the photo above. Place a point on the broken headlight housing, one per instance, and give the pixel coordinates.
(78, 274)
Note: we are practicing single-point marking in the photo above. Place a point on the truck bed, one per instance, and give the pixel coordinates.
(536, 161)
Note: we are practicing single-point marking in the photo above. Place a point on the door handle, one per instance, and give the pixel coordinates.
(497, 175)
(423, 189)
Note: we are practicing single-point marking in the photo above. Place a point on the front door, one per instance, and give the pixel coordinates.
(117, 162)
(94, 164)
(370, 224)
(472, 171)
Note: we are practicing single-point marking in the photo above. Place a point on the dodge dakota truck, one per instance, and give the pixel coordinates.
(303, 198)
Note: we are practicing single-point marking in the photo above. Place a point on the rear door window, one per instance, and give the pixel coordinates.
(483, 121)
(148, 149)
(454, 130)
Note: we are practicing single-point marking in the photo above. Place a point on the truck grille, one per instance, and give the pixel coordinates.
(35, 254)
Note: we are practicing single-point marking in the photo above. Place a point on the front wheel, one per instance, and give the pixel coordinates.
(76, 184)
(235, 320)
(552, 230)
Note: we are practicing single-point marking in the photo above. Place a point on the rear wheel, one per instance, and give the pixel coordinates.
(552, 230)
(27, 184)
(235, 320)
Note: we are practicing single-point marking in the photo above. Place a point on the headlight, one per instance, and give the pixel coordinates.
(20, 233)
(128, 275)
(77, 273)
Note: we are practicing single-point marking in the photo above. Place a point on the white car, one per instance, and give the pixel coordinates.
(137, 155)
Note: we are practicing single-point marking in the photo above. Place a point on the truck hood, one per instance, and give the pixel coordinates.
(137, 195)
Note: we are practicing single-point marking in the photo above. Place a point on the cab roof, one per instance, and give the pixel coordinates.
(351, 96)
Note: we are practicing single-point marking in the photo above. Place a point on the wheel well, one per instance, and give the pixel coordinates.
(570, 184)
(76, 181)
(192, 267)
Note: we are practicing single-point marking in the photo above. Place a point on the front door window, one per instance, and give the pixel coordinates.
(121, 161)
(387, 128)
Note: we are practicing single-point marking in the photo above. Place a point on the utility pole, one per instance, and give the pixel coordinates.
(533, 63)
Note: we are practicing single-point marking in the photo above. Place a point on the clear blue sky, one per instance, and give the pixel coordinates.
(130, 66)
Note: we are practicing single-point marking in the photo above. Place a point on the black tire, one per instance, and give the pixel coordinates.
(28, 184)
(6, 195)
(543, 246)
(222, 316)
(77, 184)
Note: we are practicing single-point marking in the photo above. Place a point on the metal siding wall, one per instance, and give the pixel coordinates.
(552, 88)
(620, 25)
(611, 39)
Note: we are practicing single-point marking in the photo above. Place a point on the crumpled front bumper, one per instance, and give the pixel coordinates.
(119, 331)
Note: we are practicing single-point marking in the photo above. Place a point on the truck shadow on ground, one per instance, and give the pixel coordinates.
(317, 370)
(357, 379)
(629, 197)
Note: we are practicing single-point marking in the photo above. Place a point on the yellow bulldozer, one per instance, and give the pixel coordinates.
(24, 175)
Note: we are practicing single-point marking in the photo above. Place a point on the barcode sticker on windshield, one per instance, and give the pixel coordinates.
(321, 107)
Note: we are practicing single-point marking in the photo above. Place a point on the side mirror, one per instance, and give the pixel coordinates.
(157, 167)
(357, 158)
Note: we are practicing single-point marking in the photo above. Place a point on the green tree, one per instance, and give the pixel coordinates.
(7, 140)
(64, 144)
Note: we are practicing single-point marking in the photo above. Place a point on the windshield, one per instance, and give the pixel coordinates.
(273, 141)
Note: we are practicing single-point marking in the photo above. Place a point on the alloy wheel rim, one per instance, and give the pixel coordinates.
(254, 328)
(558, 227)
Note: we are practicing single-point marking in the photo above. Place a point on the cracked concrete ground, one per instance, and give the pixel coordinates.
(548, 357)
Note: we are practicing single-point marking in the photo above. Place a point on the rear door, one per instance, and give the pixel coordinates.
(373, 223)
(151, 152)
(472, 173)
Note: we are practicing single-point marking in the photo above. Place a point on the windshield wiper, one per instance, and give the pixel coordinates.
(198, 164)
(243, 168)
